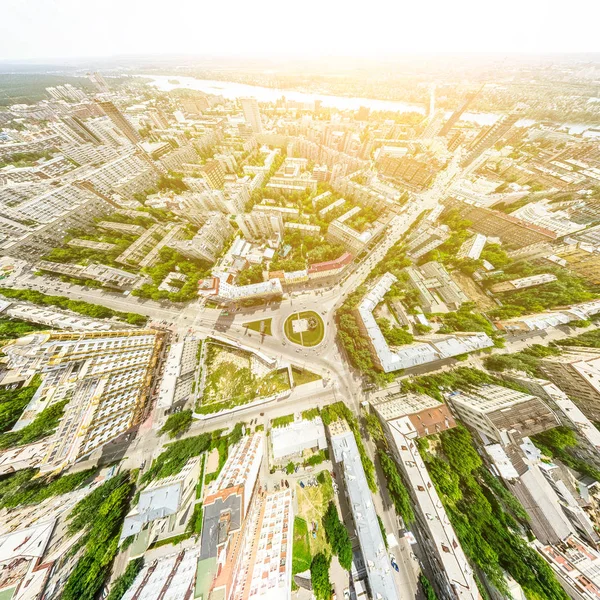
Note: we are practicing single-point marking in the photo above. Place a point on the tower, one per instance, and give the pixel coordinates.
(117, 117)
(252, 114)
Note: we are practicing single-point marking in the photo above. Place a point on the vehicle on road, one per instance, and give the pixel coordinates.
(395, 565)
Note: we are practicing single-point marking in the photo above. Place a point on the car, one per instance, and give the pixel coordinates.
(346, 594)
(395, 565)
(287, 484)
(282, 483)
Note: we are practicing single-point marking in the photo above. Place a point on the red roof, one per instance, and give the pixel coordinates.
(330, 265)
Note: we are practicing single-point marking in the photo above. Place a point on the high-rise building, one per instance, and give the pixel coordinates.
(119, 119)
(258, 225)
(488, 137)
(209, 241)
(457, 114)
(99, 82)
(252, 114)
(214, 174)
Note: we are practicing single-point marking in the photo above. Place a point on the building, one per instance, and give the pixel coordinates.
(438, 292)
(264, 567)
(502, 414)
(295, 438)
(210, 240)
(252, 114)
(330, 207)
(405, 418)
(104, 378)
(583, 259)
(127, 228)
(99, 82)
(514, 233)
(576, 566)
(523, 283)
(260, 225)
(577, 373)
(172, 576)
(229, 508)
(426, 238)
(330, 268)
(121, 121)
(55, 319)
(91, 245)
(489, 136)
(213, 173)
(430, 348)
(103, 274)
(339, 232)
(542, 321)
(376, 560)
(473, 247)
(164, 506)
(179, 378)
(34, 218)
(220, 290)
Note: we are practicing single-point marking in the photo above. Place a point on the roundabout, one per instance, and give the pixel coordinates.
(305, 328)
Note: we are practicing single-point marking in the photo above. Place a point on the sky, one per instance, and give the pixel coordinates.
(45, 29)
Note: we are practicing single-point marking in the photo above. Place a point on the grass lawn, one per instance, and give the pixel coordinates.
(310, 337)
(302, 376)
(301, 557)
(263, 326)
(312, 504)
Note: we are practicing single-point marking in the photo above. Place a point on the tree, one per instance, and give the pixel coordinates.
(398, 493)
(319, 574)
(177, 423)
(337, 536)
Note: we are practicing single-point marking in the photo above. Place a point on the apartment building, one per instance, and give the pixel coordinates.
(330, 268)
(406, 418)
(259, 225)
(430, 348)
(502, 414)
(426, 238)
(339, 232)
(438, 292)
(91, 245)
(119, 119)
(36, 218)
(105, 377)
(127, 228)
(264, 566)
(523, 283)
(576, 566)
(214, 174)
(229, 508)
(514, 233)
(210, 240)
(164, 506)
(577, 373)
(220, 290)
(252, 114)
(103, 274)
(376, 559)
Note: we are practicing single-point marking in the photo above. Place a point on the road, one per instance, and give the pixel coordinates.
(326, 359)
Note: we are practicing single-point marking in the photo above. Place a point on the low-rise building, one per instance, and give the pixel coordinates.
(121, 227)
(295, 438)
(437, 290)
(91, 245)
(330, 268)
(473, 247)
(55, 319)
(426, 238)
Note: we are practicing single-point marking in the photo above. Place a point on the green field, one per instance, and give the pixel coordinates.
(312, 336)
(302, 376)
(263, 326)
(301, 556)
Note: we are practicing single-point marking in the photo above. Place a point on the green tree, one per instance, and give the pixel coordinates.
(177, 423)
(319, 574)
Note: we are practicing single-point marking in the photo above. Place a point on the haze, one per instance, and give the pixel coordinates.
(70, 28)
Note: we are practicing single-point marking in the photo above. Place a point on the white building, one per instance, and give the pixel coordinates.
(252, 114)
(296, 437)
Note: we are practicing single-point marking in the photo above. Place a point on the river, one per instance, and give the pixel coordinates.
(231, 90)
